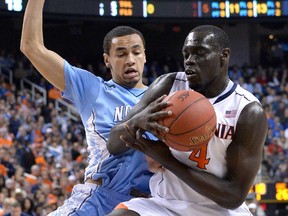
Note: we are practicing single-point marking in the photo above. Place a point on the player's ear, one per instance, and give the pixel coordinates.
(106, 60)
(144, 57)
(225, 55)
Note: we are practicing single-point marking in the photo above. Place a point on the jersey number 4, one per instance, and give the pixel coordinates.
(199, 156)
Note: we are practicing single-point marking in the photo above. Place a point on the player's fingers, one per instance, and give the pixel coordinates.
(160, 99)
(158, 106)
(160, 115)
(159, 128)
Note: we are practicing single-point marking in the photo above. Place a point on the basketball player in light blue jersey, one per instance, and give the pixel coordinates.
(108, 179)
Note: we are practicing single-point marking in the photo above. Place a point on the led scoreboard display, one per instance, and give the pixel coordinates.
(222, 9)
(271, 192)
(158, 8)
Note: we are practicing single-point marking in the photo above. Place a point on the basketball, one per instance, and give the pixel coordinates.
(192, 123)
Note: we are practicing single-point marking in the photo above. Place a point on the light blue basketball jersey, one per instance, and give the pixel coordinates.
(101, 105)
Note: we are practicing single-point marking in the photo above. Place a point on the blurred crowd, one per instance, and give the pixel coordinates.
(43, 152)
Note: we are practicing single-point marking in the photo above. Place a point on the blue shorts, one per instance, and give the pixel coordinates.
(89, 197)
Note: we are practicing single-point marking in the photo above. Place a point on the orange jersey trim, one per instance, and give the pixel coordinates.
(121, 206)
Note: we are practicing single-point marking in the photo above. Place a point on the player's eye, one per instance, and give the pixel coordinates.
(120, 54)
(201, 52)
(185, 55)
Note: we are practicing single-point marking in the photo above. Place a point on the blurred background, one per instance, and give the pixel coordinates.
(42, 141)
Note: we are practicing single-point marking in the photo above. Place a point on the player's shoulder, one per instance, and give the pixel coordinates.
(246, 94)
(253, 108)
(78, 71)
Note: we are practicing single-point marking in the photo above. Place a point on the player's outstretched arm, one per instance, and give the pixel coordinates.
(150, 105)
(47, 62)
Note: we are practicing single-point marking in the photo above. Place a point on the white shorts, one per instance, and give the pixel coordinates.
(160, 207)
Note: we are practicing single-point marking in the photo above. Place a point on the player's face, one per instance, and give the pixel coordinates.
(126, 60)
(201, 61)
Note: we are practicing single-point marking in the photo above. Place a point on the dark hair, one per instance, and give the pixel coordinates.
(221, 37)
(119, 32)
(31, 208)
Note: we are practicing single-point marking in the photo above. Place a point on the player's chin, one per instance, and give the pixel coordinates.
(195, 82)
(132, 81)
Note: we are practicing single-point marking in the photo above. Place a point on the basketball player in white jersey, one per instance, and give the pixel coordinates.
(215, 178)
(101, 104)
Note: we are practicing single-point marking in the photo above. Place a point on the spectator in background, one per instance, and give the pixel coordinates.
(14, 122)
(247, 72)
(16, 210)
(25, 156)
(274, 81)
(10, 185)
(6, 139)
(281, 173)
(274, 156)
(75, 151)
(235, 73)
(63, 120)
(5, 158)
(19, 194)
(33, 178)
(28, 206)
(254, 87)
(2, 181)
(6, 205)
(46, 112)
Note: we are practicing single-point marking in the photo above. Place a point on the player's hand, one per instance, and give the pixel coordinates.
(148, 118)
(157, 150)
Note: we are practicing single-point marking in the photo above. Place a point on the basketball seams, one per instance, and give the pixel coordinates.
(174, 144)
(210, 120)
(189, 110)
(181, 114)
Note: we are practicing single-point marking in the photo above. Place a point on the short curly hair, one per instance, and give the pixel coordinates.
(119, 31)
(221, 38)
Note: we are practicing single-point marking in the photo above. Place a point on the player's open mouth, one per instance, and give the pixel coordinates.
(190, 72)
(130, 70)
(131, 73)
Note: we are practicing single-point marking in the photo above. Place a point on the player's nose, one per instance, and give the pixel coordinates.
(130, 59)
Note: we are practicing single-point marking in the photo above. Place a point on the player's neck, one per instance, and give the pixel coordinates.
(215, 88)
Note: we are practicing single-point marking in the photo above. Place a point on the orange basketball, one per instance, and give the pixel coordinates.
(192, 123)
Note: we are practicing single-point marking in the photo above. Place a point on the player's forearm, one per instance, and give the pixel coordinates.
(127, 127)
(32, 36)
(114, 143)
(47, 62)
(223, 192)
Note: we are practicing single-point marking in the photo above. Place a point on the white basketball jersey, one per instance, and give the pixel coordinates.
(210, 158)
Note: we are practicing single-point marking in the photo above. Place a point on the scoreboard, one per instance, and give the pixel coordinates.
(158, 8)
(271, 192)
